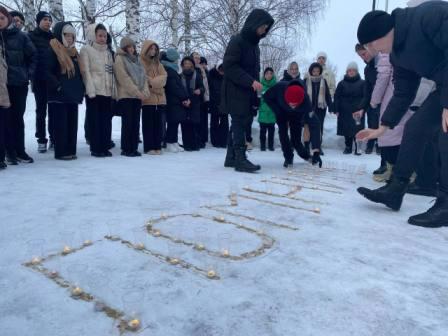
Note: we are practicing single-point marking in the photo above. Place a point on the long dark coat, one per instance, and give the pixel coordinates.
(347, 99)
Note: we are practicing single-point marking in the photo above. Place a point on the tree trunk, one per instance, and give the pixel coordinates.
(56, 10)
(187, 25)
(174, 24)
(29, 11)
(88, 14)
(133, 19)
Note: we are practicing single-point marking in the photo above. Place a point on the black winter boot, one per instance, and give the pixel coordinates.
(381, 170)
(288, 163)
(242, 164)
(307, 147)
(391, 195)
(435, 217)
(230, 157)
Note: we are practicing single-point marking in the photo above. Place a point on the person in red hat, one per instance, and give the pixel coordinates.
(292, 108)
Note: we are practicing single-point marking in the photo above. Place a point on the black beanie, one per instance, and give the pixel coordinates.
(374, 25)
(41, 15)
(16, 13)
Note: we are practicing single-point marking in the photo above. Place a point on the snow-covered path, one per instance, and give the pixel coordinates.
(354, 269)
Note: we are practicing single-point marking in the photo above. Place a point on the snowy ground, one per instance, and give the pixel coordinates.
(354, 269)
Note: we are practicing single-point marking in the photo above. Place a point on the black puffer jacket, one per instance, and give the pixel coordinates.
(192, 83)
(215, 85)
(60, 87)
(287, 77)
(41, 41)
(21, 56)
(242, 65)
(175, 95)
(347, 99)
(420, 50)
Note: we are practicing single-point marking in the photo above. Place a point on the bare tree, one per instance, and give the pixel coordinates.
(56, 10)
(133, 19)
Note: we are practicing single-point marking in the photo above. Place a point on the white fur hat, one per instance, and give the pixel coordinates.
(352, 65)
(322, 54)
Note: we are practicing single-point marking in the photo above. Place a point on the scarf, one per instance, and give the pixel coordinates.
(192, 80)
(135, 70)
(64, 56)
(171, 65)
(321, 102)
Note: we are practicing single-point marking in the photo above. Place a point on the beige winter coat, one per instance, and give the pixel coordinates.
(126, 87)
(4, 96)
(156, 75)
(331, 80)
(98, 67)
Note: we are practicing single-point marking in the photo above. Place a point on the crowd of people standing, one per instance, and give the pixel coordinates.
(151, 92)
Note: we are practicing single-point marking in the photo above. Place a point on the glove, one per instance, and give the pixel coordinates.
(316, 159)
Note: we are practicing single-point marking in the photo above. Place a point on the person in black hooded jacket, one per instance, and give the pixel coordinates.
(417, 41)
(292, 108)
(41, 37)
(21, 59)
(219, 122)
(240, 86)
(65, 89)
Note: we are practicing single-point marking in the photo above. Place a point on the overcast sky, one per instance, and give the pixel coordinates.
(335, 31)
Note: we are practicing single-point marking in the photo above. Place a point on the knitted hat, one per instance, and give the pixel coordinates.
(5, 12)
(374, 25)
(294, 94)
(268, 69)
(322, 54)
(172, 55)
(68, 29)
(315, 65)
(352, 66)
(41, 15)
(126, 42)
(17, 13)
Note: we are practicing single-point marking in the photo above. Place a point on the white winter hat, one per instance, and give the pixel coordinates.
(322, 54)
(352, 65)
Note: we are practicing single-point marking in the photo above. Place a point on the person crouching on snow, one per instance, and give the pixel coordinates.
(292, 108)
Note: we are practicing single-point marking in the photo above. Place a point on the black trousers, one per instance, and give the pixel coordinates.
(294, 124)
(152, 127)
(86, 120)
(40, 96)
(203, 127)
(219, 129)
(130, 123)
(249, 129)
(270, 130)
(321, 114)
(390, 154)
(428, 170)
(172, 132)
(418, 132)
(15, 129)
(190, 138)
(65, 132)
(373, 121)
(3, 112)
(238, 130)
(349, 141)
(100, 120)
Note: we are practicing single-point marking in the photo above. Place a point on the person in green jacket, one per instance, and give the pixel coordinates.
(266, 116)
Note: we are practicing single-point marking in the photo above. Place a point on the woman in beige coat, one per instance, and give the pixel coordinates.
(5, 20)
(154, 107)
(132, 90)
(97, 62)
